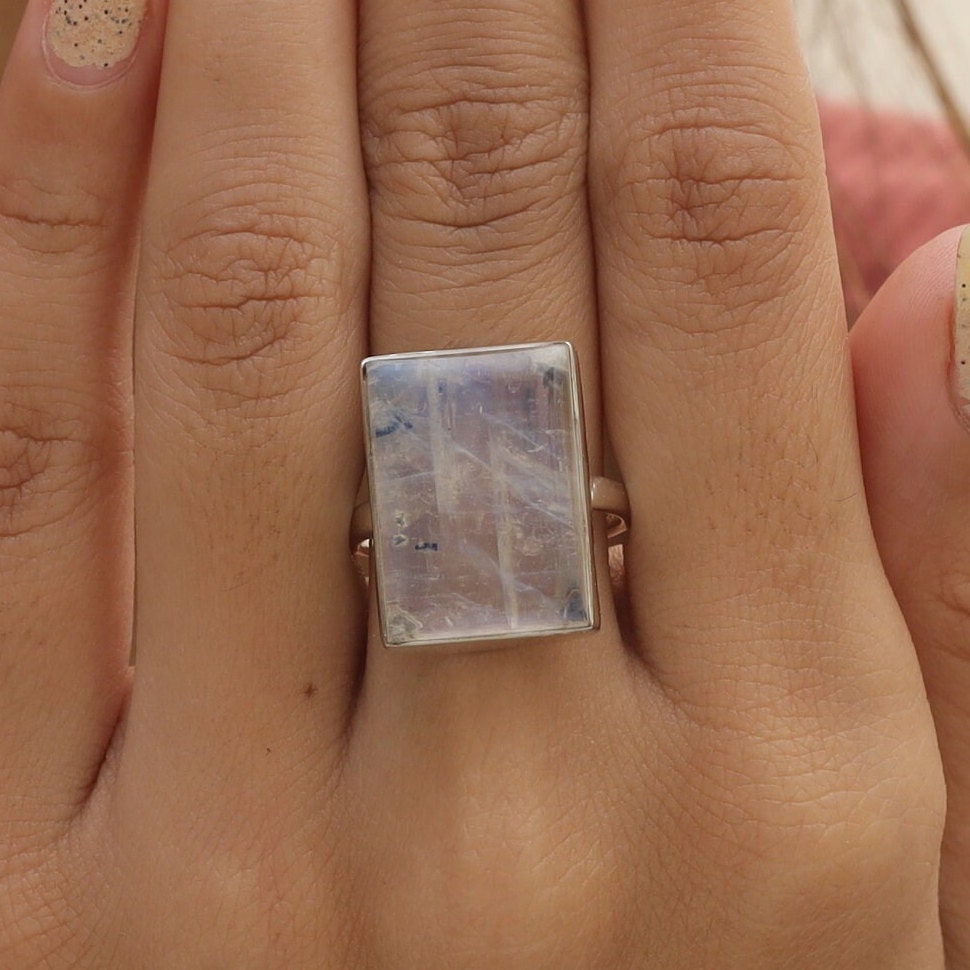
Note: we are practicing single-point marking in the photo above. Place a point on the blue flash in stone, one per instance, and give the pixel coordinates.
(479, 494)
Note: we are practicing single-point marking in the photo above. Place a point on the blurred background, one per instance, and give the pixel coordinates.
(893, 78)
(873, 50)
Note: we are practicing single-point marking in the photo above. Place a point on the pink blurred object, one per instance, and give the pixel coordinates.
(896, 181)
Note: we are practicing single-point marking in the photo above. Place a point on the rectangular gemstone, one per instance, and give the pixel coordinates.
(479, 494)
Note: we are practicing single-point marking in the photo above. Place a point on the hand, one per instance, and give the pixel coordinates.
(738, 770)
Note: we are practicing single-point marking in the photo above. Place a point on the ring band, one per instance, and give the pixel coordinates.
(477, 499)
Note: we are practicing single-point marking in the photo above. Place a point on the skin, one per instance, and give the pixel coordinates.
(739, 770)
(10, 15)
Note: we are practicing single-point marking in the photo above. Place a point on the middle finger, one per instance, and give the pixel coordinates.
(474, 123)
(474, 130)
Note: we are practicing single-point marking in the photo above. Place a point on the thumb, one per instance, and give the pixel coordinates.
(911, 358)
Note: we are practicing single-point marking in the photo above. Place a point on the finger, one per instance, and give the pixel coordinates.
(916, 459)
(76, 108)
(723, 334)
(475, 124)
(247, 426)
(475, 149)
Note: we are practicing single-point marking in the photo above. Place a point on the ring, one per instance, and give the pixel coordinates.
(477, 503)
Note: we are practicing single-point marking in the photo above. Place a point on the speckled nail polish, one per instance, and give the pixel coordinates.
(961, 327)
(93, 36)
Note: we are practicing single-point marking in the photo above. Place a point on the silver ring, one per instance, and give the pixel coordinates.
(477, 503)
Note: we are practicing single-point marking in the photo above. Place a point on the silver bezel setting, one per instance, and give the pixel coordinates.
(578, 477)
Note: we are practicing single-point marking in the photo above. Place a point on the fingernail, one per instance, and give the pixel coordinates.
(88, 41)
(961, 327)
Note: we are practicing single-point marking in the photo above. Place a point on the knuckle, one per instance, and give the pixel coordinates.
(539, 869)
(719, 202)
(42, 221)
(790, 802)
(482, 147)
(46, 469)
(245, 287)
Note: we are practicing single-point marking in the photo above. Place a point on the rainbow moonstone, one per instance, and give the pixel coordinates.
(479, 494)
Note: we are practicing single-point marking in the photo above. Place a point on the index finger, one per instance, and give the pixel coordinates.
(251, 327)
